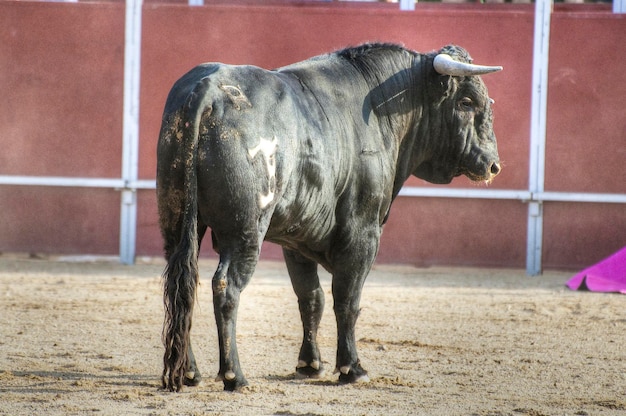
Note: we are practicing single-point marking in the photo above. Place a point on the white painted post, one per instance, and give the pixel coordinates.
(130, 137)
(407, 5)
(543, 9)
(619, 6)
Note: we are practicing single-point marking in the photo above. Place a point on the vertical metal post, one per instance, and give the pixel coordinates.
(543, 9)
(130, 136)
(407, 5)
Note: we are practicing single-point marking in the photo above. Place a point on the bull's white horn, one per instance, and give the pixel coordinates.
(445, 65)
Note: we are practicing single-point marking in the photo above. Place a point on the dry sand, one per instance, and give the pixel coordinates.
(85, 338)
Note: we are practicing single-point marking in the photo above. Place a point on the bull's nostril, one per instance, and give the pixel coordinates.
(495, 168)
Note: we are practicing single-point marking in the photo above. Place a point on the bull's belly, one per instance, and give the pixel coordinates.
(310, 235)
(315, 251)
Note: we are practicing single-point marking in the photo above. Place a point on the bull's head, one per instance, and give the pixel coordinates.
(462, 138)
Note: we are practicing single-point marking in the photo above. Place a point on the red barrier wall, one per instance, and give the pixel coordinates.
(586, 137)
(61, 77)
(62, 67)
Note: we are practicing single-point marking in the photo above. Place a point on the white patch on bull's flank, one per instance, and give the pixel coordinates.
(267, 148)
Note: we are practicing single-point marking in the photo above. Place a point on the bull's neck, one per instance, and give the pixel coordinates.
(396, 99)
(409, 126)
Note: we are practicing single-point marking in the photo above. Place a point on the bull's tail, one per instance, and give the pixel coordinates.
(181, 273)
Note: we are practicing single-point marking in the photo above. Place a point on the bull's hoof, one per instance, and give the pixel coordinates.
(175, 384)
(231, 381)
(235, 385)
(314, 369)
(352, 374)
(192, 378)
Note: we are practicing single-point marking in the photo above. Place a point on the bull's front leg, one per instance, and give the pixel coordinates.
(306, 285)
(351, 266)
(346, 309)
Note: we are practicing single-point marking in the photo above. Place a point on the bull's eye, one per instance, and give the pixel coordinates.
(466, 104)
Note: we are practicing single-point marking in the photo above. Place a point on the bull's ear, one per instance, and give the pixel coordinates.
(457, 53)
(439, 86)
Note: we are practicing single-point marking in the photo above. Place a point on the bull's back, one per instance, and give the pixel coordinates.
(242, 105)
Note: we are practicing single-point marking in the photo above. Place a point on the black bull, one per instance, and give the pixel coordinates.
(309, 156)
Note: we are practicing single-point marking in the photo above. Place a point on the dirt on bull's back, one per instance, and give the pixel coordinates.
(85, 338)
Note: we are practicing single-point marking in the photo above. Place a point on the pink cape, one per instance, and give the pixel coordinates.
(609, 275)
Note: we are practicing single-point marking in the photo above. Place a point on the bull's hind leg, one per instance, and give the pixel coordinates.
(192, 374)
(235, 268)
(305, 281)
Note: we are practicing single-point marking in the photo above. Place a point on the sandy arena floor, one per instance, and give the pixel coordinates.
(85, 338)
